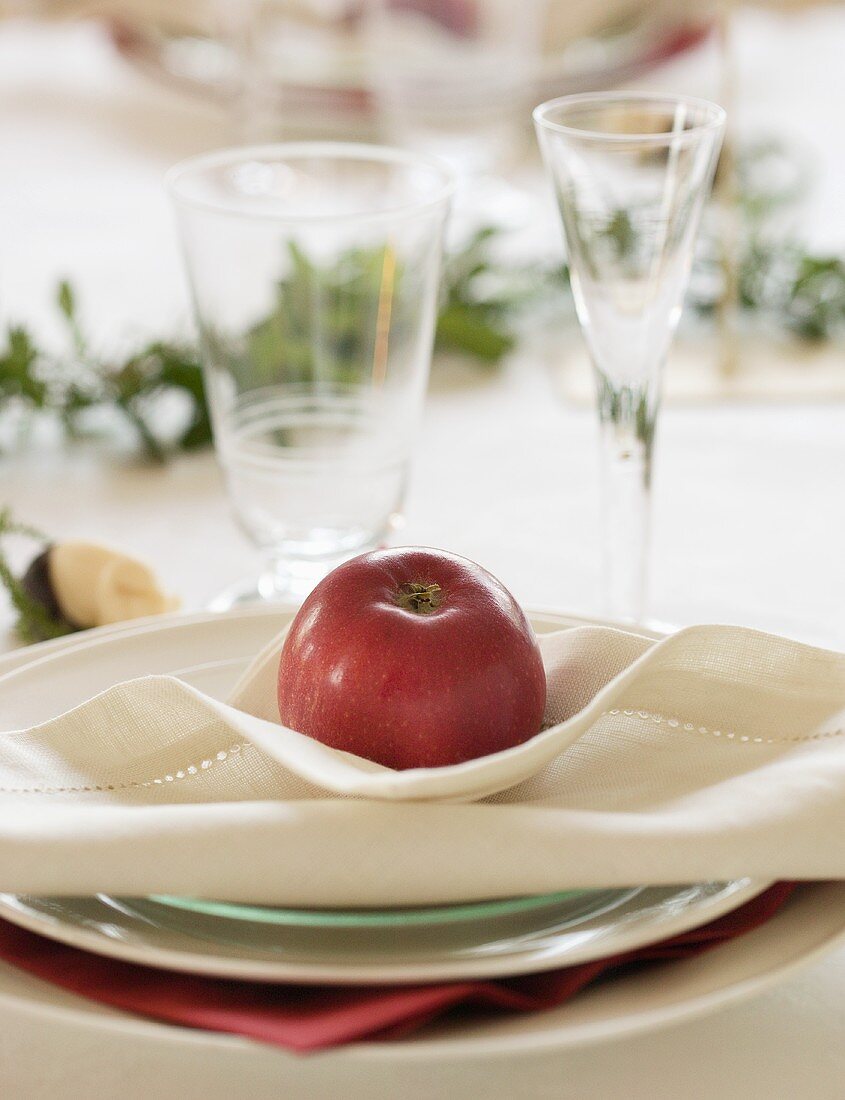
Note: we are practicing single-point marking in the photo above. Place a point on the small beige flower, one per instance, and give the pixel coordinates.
(95, 585)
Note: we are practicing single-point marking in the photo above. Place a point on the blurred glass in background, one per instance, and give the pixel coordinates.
(455, 79)
(455, 76)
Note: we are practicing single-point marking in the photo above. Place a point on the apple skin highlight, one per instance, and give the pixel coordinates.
(412, 658)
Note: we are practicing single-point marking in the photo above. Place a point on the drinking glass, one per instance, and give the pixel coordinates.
(301, 66)
(314, 270)
(455, 80)
(631, 173)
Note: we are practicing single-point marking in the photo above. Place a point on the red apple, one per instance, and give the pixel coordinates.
(413, 658)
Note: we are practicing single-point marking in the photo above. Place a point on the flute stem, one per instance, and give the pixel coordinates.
(627, 416)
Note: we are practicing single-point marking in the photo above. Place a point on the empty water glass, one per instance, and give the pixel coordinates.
(314, 269)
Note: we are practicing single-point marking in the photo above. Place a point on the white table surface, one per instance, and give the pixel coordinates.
(750, 508)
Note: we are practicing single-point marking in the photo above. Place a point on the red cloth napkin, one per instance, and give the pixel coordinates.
(304, 1018)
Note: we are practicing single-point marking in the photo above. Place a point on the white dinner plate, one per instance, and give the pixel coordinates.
(210, 652)
(212, 646)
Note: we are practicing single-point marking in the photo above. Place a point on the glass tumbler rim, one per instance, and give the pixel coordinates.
(314, 150)
(712, 124)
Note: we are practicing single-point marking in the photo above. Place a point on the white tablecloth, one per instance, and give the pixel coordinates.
(750, 504)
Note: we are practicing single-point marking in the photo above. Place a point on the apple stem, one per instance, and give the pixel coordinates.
(419, 598)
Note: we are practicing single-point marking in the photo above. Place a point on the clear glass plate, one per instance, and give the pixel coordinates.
(429, 915)
(597, 924)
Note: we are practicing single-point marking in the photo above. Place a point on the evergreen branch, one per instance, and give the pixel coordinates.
(34, 624)
(484, 301)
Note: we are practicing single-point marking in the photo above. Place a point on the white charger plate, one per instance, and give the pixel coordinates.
(219, 648)
(58, 1023)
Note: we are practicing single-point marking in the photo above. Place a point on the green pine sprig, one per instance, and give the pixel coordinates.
(34, 623)
(476, 319)
(485, 302)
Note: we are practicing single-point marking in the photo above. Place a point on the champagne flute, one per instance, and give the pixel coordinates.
(631, 173)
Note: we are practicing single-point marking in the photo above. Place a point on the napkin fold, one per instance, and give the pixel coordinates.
(309, 1018)
(716, 753)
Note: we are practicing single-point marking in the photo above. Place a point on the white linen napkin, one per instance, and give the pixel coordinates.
(716, 753)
